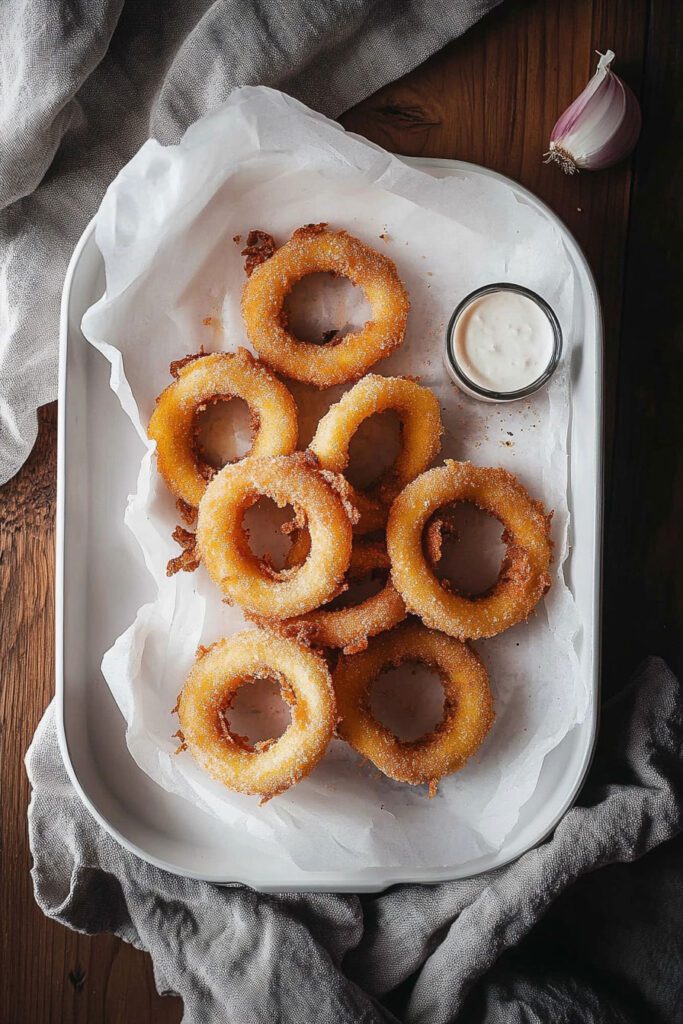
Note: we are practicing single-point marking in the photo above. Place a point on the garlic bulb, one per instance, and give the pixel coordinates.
(600, 127)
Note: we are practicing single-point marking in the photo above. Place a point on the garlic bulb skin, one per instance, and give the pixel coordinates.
(600, 127)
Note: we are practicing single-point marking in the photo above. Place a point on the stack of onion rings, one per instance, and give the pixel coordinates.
(272, 766)
(294, 604)
(468, 706)
(524, 576)
(206, 379)
(224, 545)
(313, 249)
(421, 429)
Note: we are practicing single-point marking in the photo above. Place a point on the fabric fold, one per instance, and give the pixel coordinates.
(233, 953)
(83, 84)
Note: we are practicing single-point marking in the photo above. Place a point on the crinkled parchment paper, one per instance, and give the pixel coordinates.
(173, 282)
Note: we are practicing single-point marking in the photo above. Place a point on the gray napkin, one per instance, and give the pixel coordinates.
(236, 955)
(83, 83)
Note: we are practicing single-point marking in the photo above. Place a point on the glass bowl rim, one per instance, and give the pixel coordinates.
(536, 384)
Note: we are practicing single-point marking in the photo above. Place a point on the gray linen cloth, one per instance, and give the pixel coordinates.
(412, 953)
(82, 84)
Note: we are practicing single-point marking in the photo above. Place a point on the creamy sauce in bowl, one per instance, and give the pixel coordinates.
(502, 340)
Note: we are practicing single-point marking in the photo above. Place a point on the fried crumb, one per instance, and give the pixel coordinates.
(259, 248)
(186, 562)
(237, 239)
(189, 560)
(187, 513)
(185, 538)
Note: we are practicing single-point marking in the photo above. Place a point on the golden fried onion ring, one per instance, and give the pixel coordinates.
(524, 577)
(421, 429)
(271, 766)
(313, 249)
(468, 706)
(224, 546)
(347, 628)
(222, 375)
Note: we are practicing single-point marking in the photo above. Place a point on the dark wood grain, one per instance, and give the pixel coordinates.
(491, 98)
(48, 973)
(643, 593)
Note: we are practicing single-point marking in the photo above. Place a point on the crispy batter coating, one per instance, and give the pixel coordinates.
(440, 526)
(206, 378)
(346, 628)
(310, 250)
(271, 766)
(421, 429)
(524, 577)
(468, 705)
(224, 546)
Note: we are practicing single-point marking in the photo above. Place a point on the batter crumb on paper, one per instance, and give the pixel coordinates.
(259, 248)
(189, 559)
(187, 513)
(179, 735)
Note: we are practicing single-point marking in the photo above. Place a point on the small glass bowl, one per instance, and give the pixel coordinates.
(458, 375)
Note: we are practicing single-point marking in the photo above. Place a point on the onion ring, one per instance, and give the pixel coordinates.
(346, 628)
(421, 429)
(524, 577)
(271, 766)
(208, 378)
(224, 546)
(310, 250)
(468, 706)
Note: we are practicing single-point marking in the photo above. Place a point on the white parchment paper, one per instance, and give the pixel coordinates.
(173, 282)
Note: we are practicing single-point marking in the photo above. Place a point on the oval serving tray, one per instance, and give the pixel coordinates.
(101, 581)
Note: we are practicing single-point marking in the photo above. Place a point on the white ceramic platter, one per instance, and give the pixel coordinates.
(101, 581)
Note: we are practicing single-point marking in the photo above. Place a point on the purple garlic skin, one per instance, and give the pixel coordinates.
(600, 127)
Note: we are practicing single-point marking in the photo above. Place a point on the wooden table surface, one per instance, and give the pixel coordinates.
(492, 98)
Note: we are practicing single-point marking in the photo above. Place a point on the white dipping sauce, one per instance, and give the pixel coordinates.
(503, 341)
